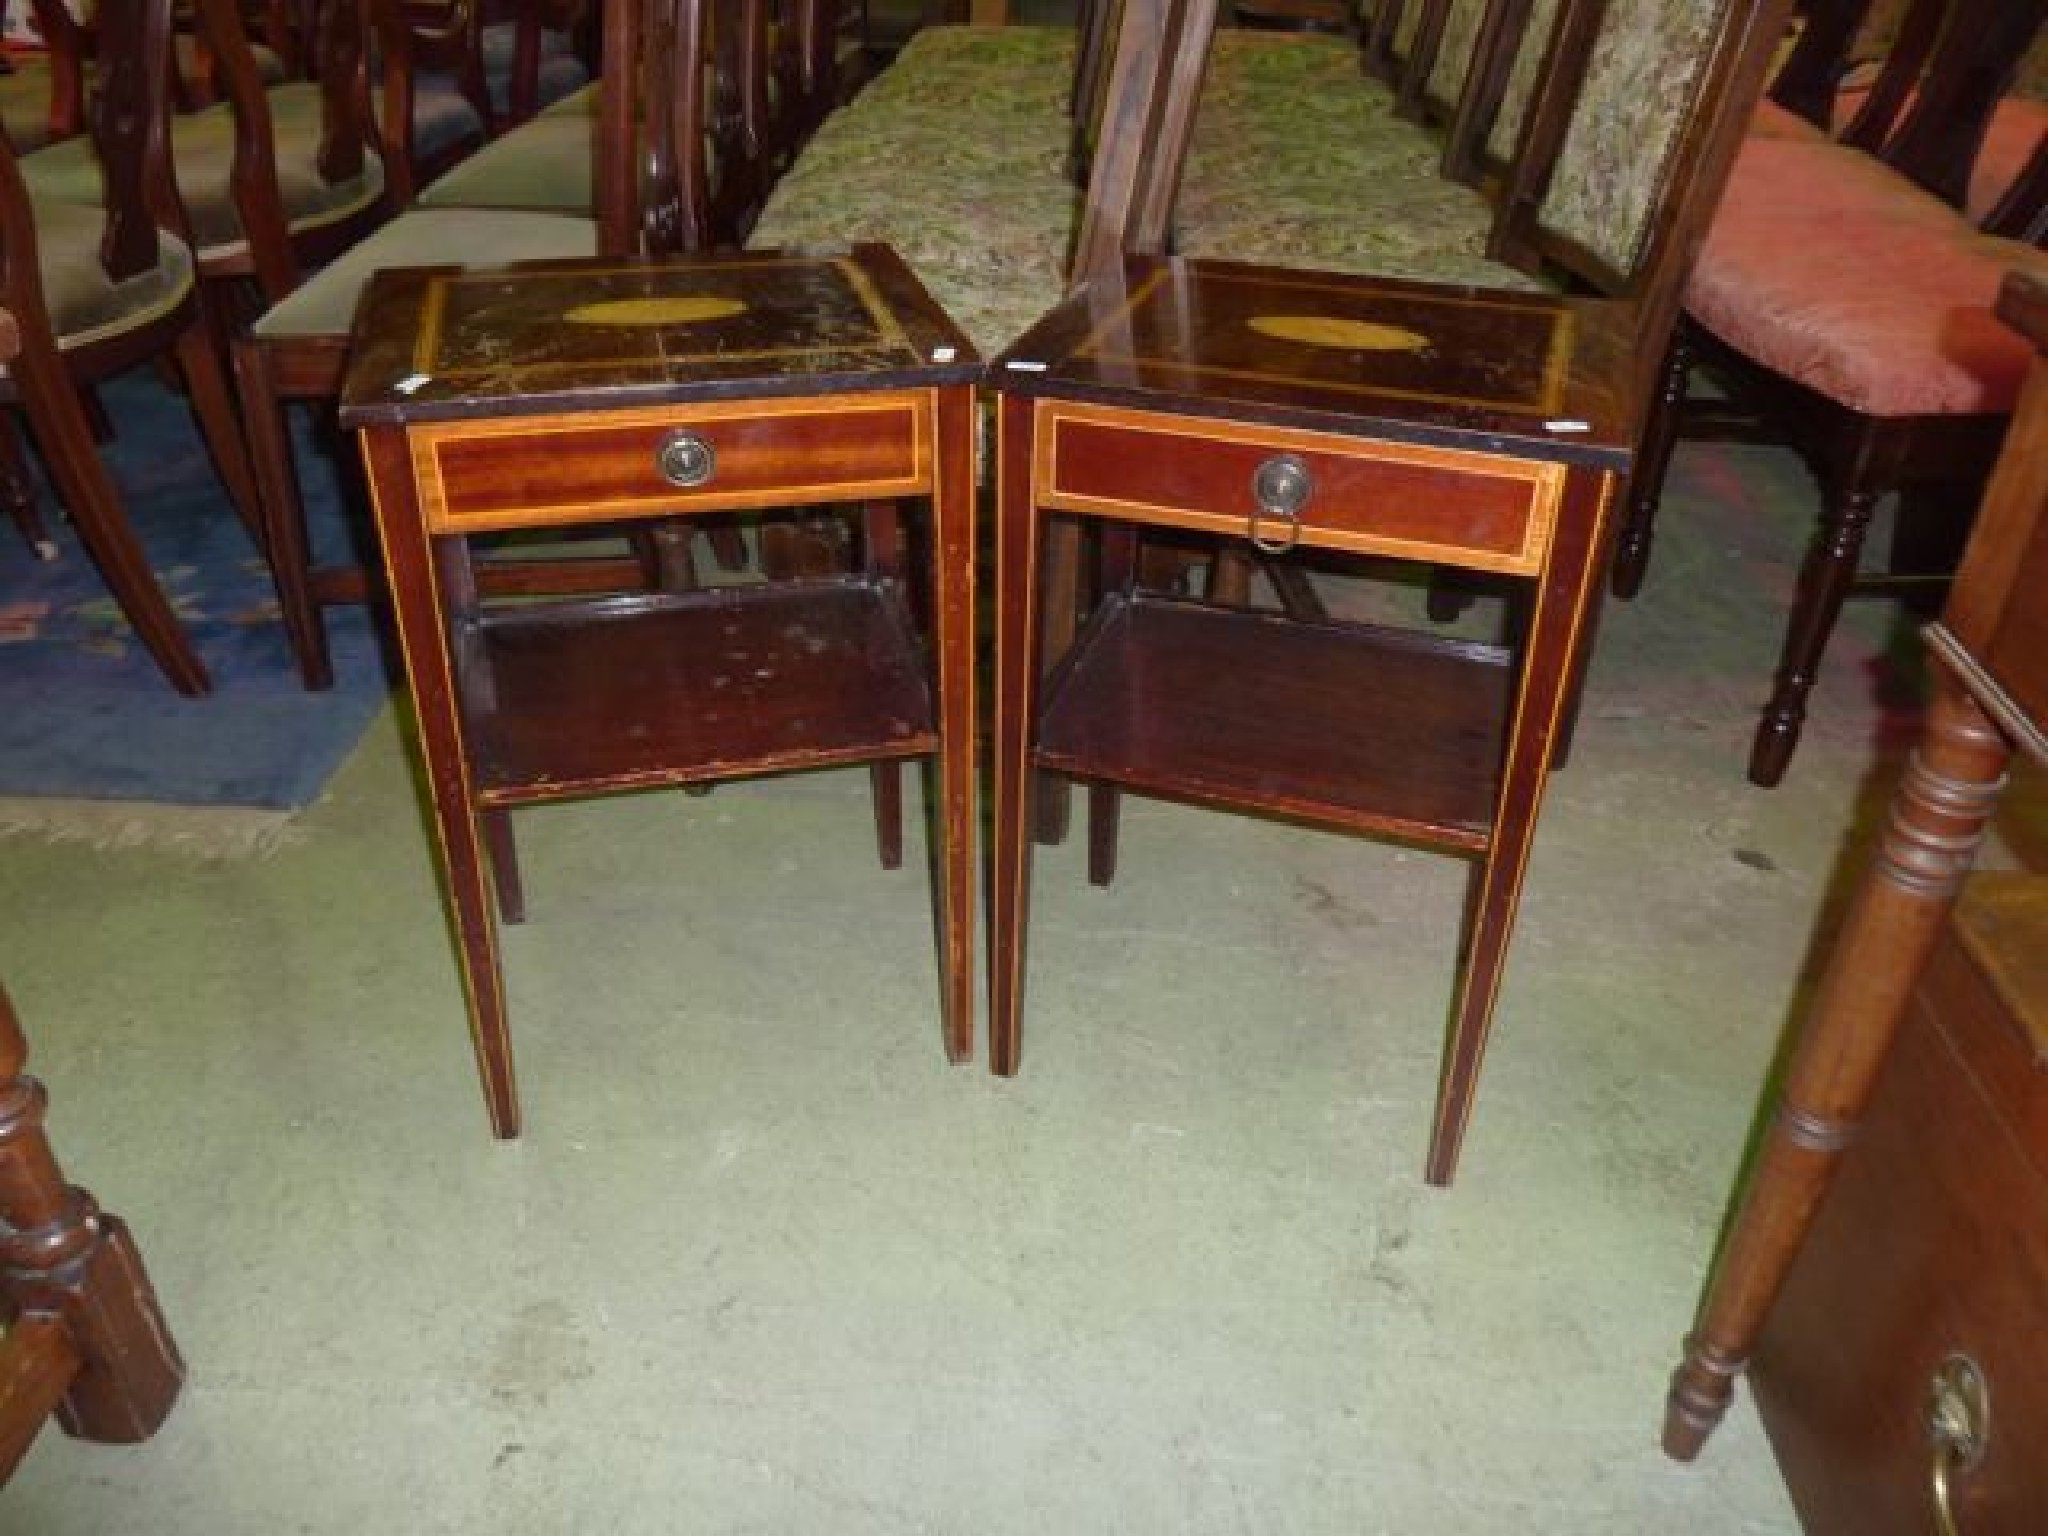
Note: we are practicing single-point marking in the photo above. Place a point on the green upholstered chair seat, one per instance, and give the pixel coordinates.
(325, 304)
(25, 103)
(983, 218)
(545, 164)
(83, 303)
(203, 148)
(581, 100)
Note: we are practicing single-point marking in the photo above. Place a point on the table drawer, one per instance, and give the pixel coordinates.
(1406, 500)
(599, 466)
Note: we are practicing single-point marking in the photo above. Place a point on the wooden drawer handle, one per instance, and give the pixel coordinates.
(686, 459)
(1958, 1426)
(1281, 487)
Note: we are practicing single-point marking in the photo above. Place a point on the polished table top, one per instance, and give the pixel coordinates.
(1542, 376)
(600, 334)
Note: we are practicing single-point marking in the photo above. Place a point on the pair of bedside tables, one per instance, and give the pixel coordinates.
(1457, 427)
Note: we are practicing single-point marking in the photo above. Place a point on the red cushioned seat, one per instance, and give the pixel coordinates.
(1831, 272)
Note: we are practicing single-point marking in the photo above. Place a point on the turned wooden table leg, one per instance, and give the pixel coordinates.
(1937, 820)
(65, 1262)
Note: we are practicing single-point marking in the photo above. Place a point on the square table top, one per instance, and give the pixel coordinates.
(443, 343)
(1540, 375)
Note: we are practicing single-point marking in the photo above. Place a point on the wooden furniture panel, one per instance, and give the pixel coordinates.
(632, 692)
(1932, 1247)
(524, 474)
(1414, 502)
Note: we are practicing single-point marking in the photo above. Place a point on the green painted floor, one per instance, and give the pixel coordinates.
(763, 1262)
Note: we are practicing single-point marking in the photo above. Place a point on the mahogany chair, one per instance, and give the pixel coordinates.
(1850, 311)
(84, 1340)
(273, 178)
(655, 190)
(96, 290)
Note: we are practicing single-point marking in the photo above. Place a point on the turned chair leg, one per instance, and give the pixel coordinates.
(87, 1340)
(1653, 462)
(1824, 582)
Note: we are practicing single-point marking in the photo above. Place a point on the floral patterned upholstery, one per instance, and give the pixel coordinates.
(1648, 63)
(1521, 84)
(983, 217)
(1296, 160)
(1454, 51)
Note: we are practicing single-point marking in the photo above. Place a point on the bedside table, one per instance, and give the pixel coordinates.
(551, 395)
(1448, 426)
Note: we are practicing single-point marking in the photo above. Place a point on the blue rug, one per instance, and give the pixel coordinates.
(84, 713)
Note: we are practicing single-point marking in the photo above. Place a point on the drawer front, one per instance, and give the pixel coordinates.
(527, 472)
(1438, 504)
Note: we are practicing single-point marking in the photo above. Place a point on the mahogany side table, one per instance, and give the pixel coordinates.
(1454, 426)
(548, 395)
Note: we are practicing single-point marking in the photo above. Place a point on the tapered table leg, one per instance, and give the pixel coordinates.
(429, 666)
(953, 622)
(1017, 601)
(1937, 820)
(1563, 612)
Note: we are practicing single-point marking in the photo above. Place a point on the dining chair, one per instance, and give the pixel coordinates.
(273, 178)
(1846, 309)
(97, 289)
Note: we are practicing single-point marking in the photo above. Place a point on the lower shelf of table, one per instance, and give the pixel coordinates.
(569, 699)
(1352, 726)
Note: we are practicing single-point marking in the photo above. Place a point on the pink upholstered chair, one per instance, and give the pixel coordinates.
(1852, 309)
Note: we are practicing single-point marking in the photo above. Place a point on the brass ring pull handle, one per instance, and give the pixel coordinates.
(686, 459)
(1281, 487)
(1958, 1426)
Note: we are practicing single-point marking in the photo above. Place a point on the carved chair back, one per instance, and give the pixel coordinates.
(349, 147)
(129, 128)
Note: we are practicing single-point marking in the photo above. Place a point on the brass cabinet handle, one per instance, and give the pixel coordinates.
(1958, 1427)
(1281, 487)
(686, 459)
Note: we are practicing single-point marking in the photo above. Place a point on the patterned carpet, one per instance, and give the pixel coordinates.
(84, 714)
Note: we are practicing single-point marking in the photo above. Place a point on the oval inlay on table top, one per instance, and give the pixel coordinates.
(1335, 331)
(675, 309)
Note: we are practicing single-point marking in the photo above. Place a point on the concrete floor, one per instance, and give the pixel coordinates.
(763, 1262)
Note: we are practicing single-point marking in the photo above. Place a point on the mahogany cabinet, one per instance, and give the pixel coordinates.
(1923, 1283)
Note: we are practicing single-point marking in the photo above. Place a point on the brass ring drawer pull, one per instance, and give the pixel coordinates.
(1281, 487)
(1958, 1426)
(686, 459)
